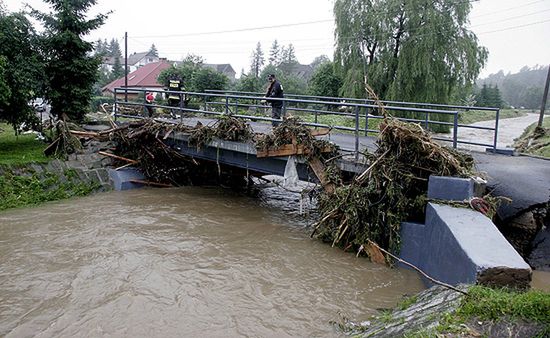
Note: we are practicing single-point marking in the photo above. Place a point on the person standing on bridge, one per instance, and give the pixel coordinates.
(275, 90)
(149, 99)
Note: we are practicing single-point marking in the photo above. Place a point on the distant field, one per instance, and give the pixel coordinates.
(477, 116)
(19, 150)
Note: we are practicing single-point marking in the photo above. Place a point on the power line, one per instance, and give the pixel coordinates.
(267, 27)
(514, 27)
(511, 18)
(507, 9)
(239, 30)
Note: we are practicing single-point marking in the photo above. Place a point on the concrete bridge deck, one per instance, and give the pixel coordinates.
(525, 179)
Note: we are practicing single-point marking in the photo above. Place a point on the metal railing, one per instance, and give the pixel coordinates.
(463, 110)
(357, 115)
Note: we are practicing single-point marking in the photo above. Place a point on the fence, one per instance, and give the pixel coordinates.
(357, 118)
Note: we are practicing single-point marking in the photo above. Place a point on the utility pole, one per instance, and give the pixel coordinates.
(544, 99)
(126, 66)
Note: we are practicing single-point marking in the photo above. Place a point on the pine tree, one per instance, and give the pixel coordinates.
(257, 61)
(275, 54)
(114, 49)
(289, 55)
(153, 50)
(70, 69)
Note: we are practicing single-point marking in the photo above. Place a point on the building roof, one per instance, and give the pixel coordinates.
(222, 68)
(142, 77)
(132, 58)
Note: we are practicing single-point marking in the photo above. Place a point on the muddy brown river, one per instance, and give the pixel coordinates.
(181, 262)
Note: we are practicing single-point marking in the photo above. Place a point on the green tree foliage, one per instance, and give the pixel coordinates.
(21, 68)
(489, 96)
(318, 61)
(275, 54)
(416, 50)
(521, 89)
(153, 50)
(288, 55)
(195, 76)
(324, 81)
(257, 61)
(114, 49)
(206, 78)
(249, 83)
(70, 69)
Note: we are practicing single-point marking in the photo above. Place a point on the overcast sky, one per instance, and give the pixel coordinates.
(516, 32)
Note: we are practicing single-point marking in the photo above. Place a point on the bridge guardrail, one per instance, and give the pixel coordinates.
(461, 108)
(359, 114)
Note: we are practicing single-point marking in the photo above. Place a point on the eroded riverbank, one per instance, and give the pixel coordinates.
(185, 261)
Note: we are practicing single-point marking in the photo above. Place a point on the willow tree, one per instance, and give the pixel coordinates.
(414, 50)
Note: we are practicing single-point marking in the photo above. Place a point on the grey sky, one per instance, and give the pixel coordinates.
(169, 24)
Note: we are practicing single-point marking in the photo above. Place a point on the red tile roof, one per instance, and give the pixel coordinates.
(142, 77)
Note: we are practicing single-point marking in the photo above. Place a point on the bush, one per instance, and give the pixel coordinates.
(97, 101)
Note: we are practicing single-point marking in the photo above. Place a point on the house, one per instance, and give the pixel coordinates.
(224, 68)
(144, 77)
(301, 71)
(135, 61)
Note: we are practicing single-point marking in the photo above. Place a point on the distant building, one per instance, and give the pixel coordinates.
(304, 72)
(135, 61)
(144, 77)
(224, 68)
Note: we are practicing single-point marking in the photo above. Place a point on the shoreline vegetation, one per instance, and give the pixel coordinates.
(439, 312)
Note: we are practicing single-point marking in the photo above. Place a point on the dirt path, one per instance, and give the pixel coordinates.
(508, 130)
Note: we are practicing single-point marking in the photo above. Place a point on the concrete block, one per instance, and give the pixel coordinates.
(450, 188)
(413, 237)
(466, 247)
(121, 178)
(502, 151)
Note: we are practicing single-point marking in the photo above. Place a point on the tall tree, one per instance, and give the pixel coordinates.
(118, 70)
(257, 61)
(70, 69)
(275, 54)
(318, 61)
(153, 50)
(114, 49)
(289, 55)
(21, 68)
(414, 50)
(324, 81)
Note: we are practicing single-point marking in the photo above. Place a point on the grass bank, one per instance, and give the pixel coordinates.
(28, 178)
(535, 142)
(486, 310)
(19, 150)
(26, 186)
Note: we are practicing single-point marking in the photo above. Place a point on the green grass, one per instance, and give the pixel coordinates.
(539, 146)
(28, 188)
(485, 304)
(405, 303)
(481, 115)
(19, 150)
(494, 304)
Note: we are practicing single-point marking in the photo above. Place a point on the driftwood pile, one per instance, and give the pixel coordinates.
(391, 190)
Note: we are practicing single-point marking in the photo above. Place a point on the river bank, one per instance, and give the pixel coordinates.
(438, 311)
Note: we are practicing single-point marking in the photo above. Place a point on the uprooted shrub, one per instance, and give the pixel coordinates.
(391, 190)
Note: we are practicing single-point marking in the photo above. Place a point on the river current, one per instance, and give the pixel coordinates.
(181, 262)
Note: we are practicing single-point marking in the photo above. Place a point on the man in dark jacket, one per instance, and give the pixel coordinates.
(275, 89)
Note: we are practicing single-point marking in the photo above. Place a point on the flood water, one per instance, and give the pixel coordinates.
(180, 262)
